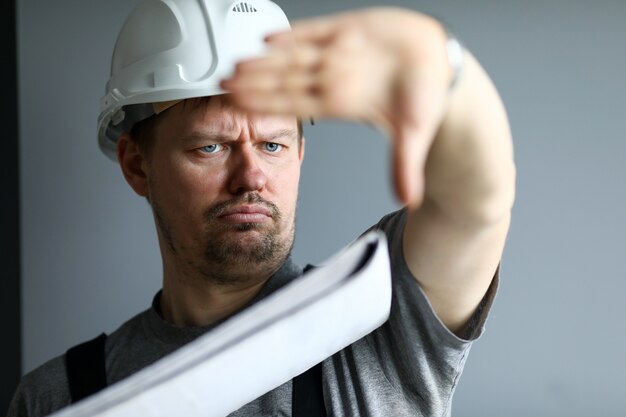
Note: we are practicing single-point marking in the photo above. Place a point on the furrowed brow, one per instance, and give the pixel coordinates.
(280, 134)
(206, 136)
(202, 136)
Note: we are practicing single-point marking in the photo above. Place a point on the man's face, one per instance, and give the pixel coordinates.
(223, 186)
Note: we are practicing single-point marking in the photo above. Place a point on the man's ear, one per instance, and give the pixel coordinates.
(133, 164)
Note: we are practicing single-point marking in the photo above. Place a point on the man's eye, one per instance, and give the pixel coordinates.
(216, 147)
(273, 147)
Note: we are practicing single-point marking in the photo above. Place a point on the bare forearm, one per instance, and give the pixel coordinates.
(470, 174)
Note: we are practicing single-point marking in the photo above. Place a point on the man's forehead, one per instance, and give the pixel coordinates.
(218, 116)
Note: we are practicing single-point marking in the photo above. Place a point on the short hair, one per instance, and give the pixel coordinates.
(143, 131)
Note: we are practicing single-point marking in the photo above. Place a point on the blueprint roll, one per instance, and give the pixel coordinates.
(293, 329)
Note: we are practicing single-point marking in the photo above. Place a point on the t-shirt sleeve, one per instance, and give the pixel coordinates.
(418, 353)
(42, 391)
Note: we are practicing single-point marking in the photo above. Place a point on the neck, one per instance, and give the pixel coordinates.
(195, 305)
(191, 298)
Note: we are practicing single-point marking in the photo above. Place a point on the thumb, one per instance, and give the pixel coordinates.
(421, 105)
(409, 154)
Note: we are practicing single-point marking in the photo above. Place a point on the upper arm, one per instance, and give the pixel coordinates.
(454, 263)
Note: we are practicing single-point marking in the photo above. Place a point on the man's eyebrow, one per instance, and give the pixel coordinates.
(281, 133)
(199, 136)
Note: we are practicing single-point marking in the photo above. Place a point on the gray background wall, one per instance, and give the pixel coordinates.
(555, 342)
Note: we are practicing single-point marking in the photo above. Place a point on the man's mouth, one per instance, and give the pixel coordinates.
(246, 213)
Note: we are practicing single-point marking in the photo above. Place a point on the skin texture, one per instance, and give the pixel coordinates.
(223, 187)
(452, 155)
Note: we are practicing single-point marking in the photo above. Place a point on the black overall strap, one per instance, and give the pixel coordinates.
(85, 367)
(86, 374)
(308, 395)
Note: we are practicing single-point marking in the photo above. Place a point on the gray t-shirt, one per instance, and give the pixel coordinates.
(407, 367)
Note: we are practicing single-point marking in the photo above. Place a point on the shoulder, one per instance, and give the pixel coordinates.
(412, 302)
(46, 389)
(42, 391)
(412, 361)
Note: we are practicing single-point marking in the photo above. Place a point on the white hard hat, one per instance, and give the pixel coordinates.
(177, 49)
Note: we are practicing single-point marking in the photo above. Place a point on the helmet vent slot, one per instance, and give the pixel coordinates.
(244, 8)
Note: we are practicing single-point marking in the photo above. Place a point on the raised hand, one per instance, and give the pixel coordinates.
(382, 66)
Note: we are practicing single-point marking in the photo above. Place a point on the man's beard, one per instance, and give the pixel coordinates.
(224, 246)
(232, 254)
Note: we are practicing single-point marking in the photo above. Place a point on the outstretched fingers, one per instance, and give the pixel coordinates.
(285, 81)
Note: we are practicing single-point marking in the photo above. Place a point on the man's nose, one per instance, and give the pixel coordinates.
(247, 172)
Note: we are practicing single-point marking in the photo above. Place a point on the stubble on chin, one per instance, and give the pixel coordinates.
(239, 253)
(230, 254)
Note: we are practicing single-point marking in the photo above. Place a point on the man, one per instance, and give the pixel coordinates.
(221, 175)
